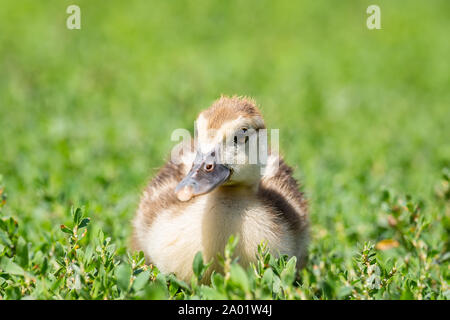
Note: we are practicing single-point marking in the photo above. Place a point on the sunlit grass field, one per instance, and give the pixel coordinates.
(86, 117)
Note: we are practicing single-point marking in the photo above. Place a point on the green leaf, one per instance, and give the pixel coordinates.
(231, 245)
(77, 215)
(447, 294)
(84, 223)
(276, 284)
(217, 281)
(344, 292)
(10, 225)
(407, 294)
(141, 280)
(288, 274)
(66, 229)
(161, 278)
(123, 274)
(211, 294)
(10, 267)
(44, 265)
(155, 291)
(179, 283)
(239, 277)
(267, 278)
(22, 252)
(173, 289)
(445, 257)
(4, 238)
(198, 265)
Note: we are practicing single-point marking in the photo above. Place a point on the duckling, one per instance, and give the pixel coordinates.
(196, 203)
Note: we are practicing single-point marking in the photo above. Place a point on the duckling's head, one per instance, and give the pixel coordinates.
(226, 148)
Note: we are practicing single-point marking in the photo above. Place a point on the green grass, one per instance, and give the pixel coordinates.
(86, 117)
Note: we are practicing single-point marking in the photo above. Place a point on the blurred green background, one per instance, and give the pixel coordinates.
(86, 115)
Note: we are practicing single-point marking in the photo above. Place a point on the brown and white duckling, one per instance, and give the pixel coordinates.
(195, 204)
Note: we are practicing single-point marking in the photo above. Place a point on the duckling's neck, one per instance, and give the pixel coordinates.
(231, 200)
(245, 176)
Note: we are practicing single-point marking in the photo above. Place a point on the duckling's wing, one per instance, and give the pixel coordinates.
(159, 194)
(279, 190)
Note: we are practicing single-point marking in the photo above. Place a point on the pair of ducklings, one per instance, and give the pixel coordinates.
(195, 204)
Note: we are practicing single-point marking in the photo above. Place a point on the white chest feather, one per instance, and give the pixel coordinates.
(205, 225)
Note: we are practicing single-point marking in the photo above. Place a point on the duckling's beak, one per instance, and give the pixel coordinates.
(204, 176)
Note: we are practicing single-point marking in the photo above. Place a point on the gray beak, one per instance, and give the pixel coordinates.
(205, 175)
